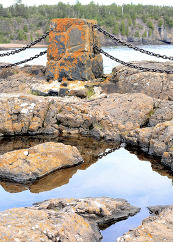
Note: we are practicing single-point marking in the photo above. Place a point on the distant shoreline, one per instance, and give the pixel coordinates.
(14, 46)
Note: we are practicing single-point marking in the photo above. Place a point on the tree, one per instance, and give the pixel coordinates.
(123, 28)
(150, 24)
(116, 28)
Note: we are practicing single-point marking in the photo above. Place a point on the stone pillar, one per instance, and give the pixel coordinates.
(70, 52)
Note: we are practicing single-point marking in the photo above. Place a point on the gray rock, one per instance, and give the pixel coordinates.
(157, 209)
(64, 219)
(28, 165)
(154, 228)
(157, 85)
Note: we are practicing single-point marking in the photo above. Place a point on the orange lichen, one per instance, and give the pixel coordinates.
(71, 45)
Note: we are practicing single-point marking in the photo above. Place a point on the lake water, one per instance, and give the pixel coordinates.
(121, 174)
(120, 52)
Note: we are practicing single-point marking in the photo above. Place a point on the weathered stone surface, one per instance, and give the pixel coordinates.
(155, 228)
(157, 85)
(21, 79)
(28, 165)
(70, 52)
(154, 140)
(156, 210)
(75, 66)
(63, 219)
(162, 111)
(21, 114)
(167, 158)
(121, 117)
(162, 138)
(89, 148)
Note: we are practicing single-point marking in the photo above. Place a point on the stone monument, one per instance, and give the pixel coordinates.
(70, 54)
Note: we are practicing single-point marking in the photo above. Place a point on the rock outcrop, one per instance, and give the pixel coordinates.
(28, 165)
(156, 85)
(154, 228)
(63, 219)
(120, 117)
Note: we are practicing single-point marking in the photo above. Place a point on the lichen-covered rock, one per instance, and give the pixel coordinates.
(154, 140)
(157, 85)
(162, 138)
(167, 158)
(70, 52)
(63, 219)
(155, 228)
(28, 165)
(120, 117)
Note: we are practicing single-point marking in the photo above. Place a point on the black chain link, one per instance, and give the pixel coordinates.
(124, 43)
(96, 48)
(106, 153)
(26, 47)
(24, 61)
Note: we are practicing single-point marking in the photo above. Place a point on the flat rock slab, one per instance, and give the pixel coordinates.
(28, 165)
(63, 219)
(155, 228)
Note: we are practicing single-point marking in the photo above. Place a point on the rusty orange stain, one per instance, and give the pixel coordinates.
(62, 57)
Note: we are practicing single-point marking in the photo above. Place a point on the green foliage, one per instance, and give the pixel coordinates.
(111, 17)
(47, 39)
(25, 37)
(21, 34)
(169, 22)
(129, 21)
(116, 28)
(4, 39)
(144, 34)
(31, 37)
(47, 27)
(90, 92)
(123, 28)
(25, 28)
(127, 31)
(137, 34)
(150, 32)
(150, 24)
(160, 23)
(144, 19)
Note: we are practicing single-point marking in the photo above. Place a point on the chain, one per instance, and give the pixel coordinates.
(106, 153)
(96, 48)
(130, 45)
(24, 61)
(26, 47)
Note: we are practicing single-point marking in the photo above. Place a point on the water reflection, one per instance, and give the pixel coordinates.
(155, 162)
(54, 180)
(90, 149)
(122, 173)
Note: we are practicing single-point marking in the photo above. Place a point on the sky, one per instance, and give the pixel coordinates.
(100, 2)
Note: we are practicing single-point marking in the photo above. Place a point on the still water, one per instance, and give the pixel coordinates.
(122, 173)
(120, 52)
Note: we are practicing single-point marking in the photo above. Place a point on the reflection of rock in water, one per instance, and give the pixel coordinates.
(89, 148)
(13, 187)
(155, 161)
(56, 179)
